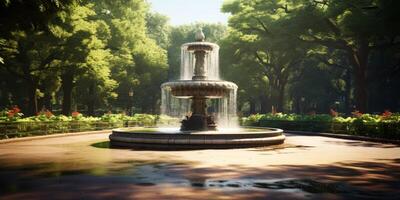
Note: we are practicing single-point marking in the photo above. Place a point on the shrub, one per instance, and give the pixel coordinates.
(145, 119)
(386, 125)
(252, 120)
(12, 114)
(46, 123)
(165, 120)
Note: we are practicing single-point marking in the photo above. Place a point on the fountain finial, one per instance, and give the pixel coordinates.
(200, 35)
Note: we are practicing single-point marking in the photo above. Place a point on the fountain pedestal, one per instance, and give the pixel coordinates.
(199, 70)
(199, 120)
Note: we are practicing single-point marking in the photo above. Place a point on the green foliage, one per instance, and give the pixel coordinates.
(257, 119)
(138, 60)
(336, 39)
(45, 123)
(383, 126)
(158, 29)
(11, 115)
(113, 117)
(260, 40)
(165, 120)
(145, 119)
(295, 56)
(94, 52)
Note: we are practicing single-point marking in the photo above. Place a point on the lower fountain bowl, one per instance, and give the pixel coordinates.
(206, 88)
(153, 138)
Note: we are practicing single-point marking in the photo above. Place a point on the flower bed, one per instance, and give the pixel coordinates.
(12, 124)
(386, 125)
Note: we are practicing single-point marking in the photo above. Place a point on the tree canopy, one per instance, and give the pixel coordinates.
(285, 35)
(297, 56)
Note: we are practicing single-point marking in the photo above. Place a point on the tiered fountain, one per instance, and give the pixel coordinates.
(199, 82)
(204, 101)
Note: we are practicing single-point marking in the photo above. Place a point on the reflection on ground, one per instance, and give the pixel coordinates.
(83, 167)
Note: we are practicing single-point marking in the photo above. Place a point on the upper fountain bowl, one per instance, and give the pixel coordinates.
(200, 46)
(206, 88)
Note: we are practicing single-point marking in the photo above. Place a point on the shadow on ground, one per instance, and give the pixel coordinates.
(364, 144)
(155, 180)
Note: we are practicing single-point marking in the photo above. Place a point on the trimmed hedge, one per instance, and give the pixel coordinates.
(380, 126)
(43, 125)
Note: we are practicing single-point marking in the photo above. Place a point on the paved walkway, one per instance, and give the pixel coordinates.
(82, 167)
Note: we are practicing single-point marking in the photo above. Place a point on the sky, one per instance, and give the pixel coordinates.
(190, 11)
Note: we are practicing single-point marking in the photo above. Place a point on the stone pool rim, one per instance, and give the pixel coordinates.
(128, 137)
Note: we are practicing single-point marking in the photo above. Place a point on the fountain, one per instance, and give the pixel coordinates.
(203, 85)
(207, 104)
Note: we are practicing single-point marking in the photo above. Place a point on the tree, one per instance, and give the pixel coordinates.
(266, 38)
(24, 42)
(82, 40)
(310, 81)
(158, 29)
(355, 27)
(238, 66)
(137, 60)
(34, 56)
(76, 48)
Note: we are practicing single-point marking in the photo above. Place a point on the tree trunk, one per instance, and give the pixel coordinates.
(264, 104)
(252, 106)
(67, 86)
(91, 100)
(33, 104)
(281, 97)
(359, 60)
(347, 107)
(360, 90)
(296, 102)
(47, 102)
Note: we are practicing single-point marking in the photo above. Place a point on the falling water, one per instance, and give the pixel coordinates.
(223, 109)
(172, 106)
(213, 64)
(187, 63)
(188, 60)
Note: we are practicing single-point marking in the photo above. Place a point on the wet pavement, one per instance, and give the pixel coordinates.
(305, 167)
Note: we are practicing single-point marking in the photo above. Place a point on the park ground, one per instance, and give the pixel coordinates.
(304, 167)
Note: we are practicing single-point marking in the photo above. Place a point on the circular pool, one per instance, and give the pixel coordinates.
(172, 138)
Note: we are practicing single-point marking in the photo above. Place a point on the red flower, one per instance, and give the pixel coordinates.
(48, 114)
(10, 114)
(16, 109)
(334, 113)
(75, 114)
(386, 114)
(357, 113)
(13, 111)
